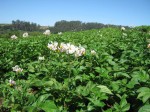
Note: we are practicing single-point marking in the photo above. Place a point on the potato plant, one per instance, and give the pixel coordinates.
(105, 70)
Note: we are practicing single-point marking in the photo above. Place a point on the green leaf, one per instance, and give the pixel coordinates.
(31, 98)
(82, 90)
(78, 77)
(145, 108)
(44, 69)
(141, 76)
(97, 102)
(75, 71)
(144, 93)
(48, 106)
(111, 62)
(102, 71)
(41, 99)
(31, 69)
(82, 68)
(90, 107)
(37, 83)
(117, 107)
(108, 110)
(30, 109)
(126, 107)
(119, 74)
(15, 107)
(104, 89)
(132, 83)
(123, 102)
(115, 86)
(79, 89)
(48, 83)
(98, 69)
(146, 97)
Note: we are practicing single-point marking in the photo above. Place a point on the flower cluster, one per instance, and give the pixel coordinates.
(12, 82)
(123, 28)
(25, 34)
(17, 69)
(53, 46)
(68, 48)
(47, 32)
(59, 33)
(13, 37)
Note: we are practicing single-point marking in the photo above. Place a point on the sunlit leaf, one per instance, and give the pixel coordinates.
(104, 89)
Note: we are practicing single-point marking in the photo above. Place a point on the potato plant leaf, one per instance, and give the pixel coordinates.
(104, 89)
(145, 108)
(144, 94)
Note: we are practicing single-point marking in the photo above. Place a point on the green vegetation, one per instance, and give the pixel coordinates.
(18, 26)
(114, 79)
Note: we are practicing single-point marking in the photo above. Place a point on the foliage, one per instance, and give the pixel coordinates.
(64, 26)
(114, 79)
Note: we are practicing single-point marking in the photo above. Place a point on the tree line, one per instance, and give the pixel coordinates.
(63, 26)
(59, 26)
(20, 25)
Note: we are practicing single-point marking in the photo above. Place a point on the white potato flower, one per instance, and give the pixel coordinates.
(12, 82)
(25, 34)
(17, 69)
(80, 51)
(68, 48)
(47, 32)
(53, 46)
(59, 33)
(77, 53)
(63, 47)
(13, 37)
(71, 49)
(93, 52)
(123, 28)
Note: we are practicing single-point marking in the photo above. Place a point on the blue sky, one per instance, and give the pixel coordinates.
(47, 12)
